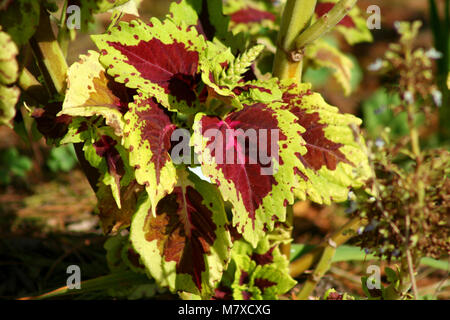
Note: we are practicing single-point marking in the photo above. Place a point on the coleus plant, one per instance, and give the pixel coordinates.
(160, 100)
(258, 21)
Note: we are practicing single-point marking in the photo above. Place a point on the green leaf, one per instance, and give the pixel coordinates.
(121, 256)
(378, 115)
(185, 245)
(8, 62)
(205, 14)
(9, 96)
(438, 264)
(352, 253)
(114, 246)
(13, 164)
(105, 5)
(90, 7)
(108, 282)
(62, 158)
(243, 63)
(255, 274)
(20, 20)
(317, 77)
(391, 275)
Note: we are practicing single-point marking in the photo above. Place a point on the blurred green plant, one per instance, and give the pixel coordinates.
(62, 158)
(13, 164)
(381, 112)
(440, 27)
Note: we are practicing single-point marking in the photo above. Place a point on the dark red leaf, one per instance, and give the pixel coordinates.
(184, 229)
(223, 293)
(246, 295)
(250, 183)
(320, 150)
(244, 279)
(49, 124)
(262, 284)
(172, 66)
(251, 15)
(263, 259)
(105, 148)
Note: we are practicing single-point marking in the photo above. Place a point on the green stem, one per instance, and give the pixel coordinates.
(63, 32)
(31, 87)
(411, 272)
(49, 56)
(286, 247)
(53, 66)
(117, 279)
(407, 260)
(322, 267)
(341, 236)
(296, 17)
(399, 292)
(413, 132)
(325, 23)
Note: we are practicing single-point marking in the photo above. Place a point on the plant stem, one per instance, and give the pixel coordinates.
(322, 267)
(296, 17)
(29, 85)
(339, 237)
(286, 247)
(325, 23)
(53, 66)
(117, 279)
(413, 132)
(49, 56)
(63, 31)
(399, 292)
(411, 274)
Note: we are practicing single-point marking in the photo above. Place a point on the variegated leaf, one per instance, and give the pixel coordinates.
(147, 136)
(336, 157)
(90, 91)
(160, 59)
(324, 54)
(250, 155)
(186, 245)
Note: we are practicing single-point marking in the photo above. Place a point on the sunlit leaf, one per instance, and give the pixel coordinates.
(148, 133)
(160, 59)
(249, 156)
(336, 159)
